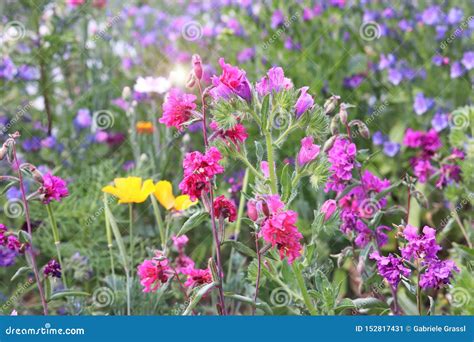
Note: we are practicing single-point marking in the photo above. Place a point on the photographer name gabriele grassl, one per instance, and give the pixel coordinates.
(439, 328)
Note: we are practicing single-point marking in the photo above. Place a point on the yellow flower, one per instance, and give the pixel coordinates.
(130, 189)
(144, 127)
(164, 195)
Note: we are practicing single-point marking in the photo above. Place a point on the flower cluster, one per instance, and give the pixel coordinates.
(342, 158)
(424, 249)
(278, 226)
(199, 170)
(225, 208)
(177, 108)
(53, 188)
(232, 81)
(391, 268)
(154, 272)
(235, 135)
(274, 81)
(9, 240)
(52, 269)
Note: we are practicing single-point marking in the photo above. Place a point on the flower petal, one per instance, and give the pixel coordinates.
(164, 194)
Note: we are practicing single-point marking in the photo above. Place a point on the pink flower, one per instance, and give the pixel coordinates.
(304, 102)
(342, 158)
(328, 208)
(179, 242)
(231, 81)
(153, 273)
(236, 135)
(308, 151)
(199, 169)
(438, 273)
(274, 81)
(265, 169)
(177, 108)
(225, 208)
(53, 188)
(252, 212)
(391, 268)
(280, 230)
(197, 277)
(423, 246)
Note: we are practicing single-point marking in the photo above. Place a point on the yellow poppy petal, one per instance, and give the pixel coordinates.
(164, 194)
(109, 189)
(183, 202)
(145, 191)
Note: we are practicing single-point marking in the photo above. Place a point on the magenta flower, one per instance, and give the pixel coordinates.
(225, 208)
(423, 246)
(438, 273)
(197, 277)
(304, 102)
(52, 269)
(53, 188)
(231, 81)
(179, 242)
(153, 273)
(391, 268)
(177, 108)
(308, 151)
(342, 157)
(328, 208)
(199, 169)
(236, 135)
(274, 81)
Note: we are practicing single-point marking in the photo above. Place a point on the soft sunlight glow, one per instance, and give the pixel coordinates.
(179, 75)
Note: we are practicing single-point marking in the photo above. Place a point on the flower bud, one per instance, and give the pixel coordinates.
(197, 66)
(328, 144)
(252, 210)
(334, 126)
(331, 104)
(191, 80)
(343, 113)
(126, 93)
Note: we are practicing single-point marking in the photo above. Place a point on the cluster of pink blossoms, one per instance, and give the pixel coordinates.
(274, 81)
(177, 108)
(235, 135)
(154, 272)
(342, 157)
(53, 188)
(10, 240)
(225, 208)
(278, 226)
(199, 170)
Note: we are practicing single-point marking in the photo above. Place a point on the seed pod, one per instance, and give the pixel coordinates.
(343, 113)
(331, 104)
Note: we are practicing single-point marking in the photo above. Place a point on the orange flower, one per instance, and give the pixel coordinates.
(144, 127)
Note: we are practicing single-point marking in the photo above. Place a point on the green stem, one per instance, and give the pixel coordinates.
(271, 163)
(159, 222)
(108, 232)
(304, 291)
(250, 166)
(130, 216)
(284, 134)
(57, 242)
(418, 292)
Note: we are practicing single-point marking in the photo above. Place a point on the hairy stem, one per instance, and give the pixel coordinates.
(271, 163)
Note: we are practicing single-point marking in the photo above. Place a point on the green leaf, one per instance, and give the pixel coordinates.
(195, 220)
(24, 237)
(197, 298)
(369, 303)
(259, 305)
(117, 234)
(285, 183)
(67, 293)
(265, 108)
(20, 271)
(239, 246)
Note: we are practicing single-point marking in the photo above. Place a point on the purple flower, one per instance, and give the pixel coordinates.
(342, 157)
(48, 142)
(422, 104)
(468, 60)
(438, 273)
(391, 148)
(449, 173)
(28, 72)
(52, 269)
(455, 15)
(7, 68)
(83, 118)
(378, 138)
(394, 76)
(13, 193)
(7, 257)
(405, 25)
(353, 81)
(31, 145)
(277, 19)
(420, 246)
(381, 236)
(439, 122)
(431, 15)
(274, 81)
(386, 61)
(391, 268)
(304, 102)
(245, 55)
(437, 60)
(457, 70)
(231, 81)
(308, 151)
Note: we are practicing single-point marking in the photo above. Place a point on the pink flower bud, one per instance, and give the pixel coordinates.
(328, 208)
(197, 66)
(252, 210)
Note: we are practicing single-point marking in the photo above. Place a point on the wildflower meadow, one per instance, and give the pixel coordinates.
(236, 157)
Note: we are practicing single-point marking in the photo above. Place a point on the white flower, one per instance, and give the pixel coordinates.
(150, 84)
